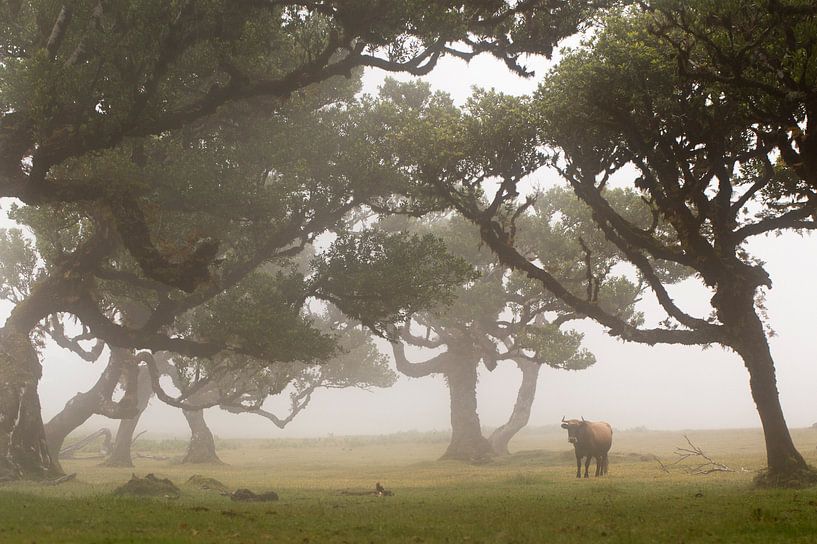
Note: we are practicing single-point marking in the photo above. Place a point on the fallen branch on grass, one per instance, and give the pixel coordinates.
(153, 457)
(61, 479)
(708, 466)
(661, 464)
(68, 451)
(691, 451)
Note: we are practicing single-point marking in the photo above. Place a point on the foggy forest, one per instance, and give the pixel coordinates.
(408, 271)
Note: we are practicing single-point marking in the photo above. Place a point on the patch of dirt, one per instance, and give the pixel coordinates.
(149, 486)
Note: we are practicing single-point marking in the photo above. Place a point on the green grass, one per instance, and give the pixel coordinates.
(532, 496)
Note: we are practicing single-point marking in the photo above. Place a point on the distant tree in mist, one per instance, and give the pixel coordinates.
(500, 316)
(357, 364)
(243, 387)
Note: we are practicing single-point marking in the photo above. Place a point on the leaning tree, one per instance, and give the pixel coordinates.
(91, 89)
(618, 110)
(202, 383)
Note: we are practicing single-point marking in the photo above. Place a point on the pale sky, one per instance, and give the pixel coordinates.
(662, 387)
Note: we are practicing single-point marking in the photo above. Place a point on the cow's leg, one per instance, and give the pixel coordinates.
(587, 466)
(605, 465)
(578, 466)
(599, 465)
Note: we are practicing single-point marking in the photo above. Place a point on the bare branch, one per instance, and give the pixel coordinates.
(299, 402)
(793, 219)
(417, 370)
(708, 465)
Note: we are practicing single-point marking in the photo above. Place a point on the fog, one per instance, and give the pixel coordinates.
(631, 385)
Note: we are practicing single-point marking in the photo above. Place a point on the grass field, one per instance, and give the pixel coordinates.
(532, 496)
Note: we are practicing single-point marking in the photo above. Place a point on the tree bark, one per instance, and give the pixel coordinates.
(783, 460)
(24, 451)
(202, 447)
(121, 452)
(736, 310)
(23, 448)
(467, 441)
(520, 416)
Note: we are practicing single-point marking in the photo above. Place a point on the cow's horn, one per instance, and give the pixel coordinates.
(563, 418)
(582, 418)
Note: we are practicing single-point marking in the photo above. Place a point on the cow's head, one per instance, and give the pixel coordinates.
(572, 426)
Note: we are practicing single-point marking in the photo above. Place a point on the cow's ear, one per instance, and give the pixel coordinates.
(564, 425)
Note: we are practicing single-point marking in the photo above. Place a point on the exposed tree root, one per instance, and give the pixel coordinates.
(794, 478)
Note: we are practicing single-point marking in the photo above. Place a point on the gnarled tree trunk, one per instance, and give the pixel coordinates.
(467, 442)
(459, 366)
(23, 448)
(121, 452)
(24, 451)
(202, 447)
(520, 416)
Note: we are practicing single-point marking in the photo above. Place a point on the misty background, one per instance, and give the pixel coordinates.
(631, 385)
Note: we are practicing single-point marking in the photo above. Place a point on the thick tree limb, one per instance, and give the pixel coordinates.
(793, 219)
(86, 309)
(155, 377)
(58, 31)
(299, 402)
(56, 331)
(187, 273)
(417, 370)
(498, 240)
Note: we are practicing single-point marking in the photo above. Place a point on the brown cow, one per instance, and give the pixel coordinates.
(590, 439)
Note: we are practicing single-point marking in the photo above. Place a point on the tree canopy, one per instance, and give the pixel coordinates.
(169, 170)
(619, 110)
